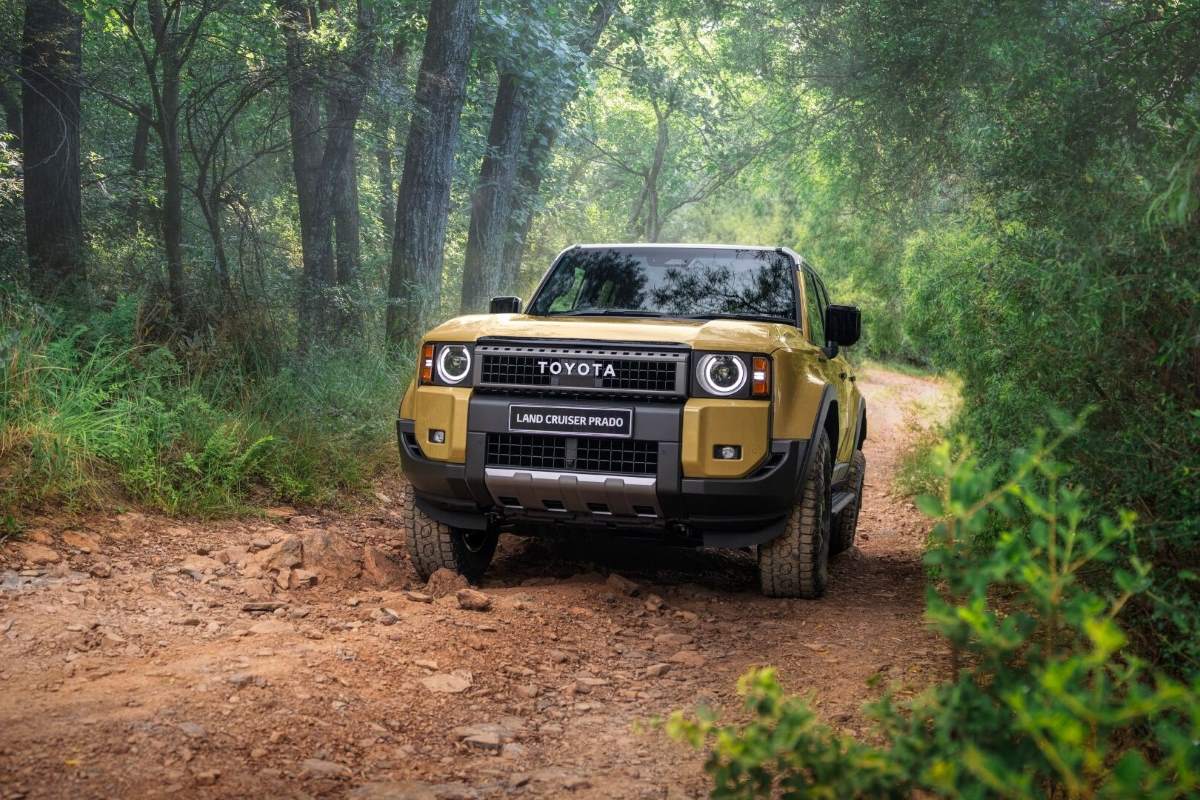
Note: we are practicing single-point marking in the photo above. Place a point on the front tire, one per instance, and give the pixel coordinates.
(845, 525)
(796, 564)
(433, 545)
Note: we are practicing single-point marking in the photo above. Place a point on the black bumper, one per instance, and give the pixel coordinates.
(716, 512)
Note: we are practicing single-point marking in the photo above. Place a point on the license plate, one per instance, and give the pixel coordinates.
(571, 420)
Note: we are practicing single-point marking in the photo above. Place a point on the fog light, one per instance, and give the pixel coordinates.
(436, 436)
(728, 452)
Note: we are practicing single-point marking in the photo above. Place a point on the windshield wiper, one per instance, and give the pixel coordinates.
(607, 312)
(749, 317)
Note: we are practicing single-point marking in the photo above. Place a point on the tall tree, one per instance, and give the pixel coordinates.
(387, 115)
(166, 38)
(50, 66)
(491, 203)
(415, 280)
(323, 160)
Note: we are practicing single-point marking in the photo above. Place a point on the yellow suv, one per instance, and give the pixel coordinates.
(687, 394)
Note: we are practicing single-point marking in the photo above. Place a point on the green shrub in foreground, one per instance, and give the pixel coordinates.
(1047, 701)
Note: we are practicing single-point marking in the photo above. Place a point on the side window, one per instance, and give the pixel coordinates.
(814, 308)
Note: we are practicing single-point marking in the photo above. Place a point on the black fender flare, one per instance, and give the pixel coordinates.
(828, 397)
(860, 432)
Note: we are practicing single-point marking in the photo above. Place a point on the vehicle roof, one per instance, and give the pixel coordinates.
(799, 259)
(680, 244)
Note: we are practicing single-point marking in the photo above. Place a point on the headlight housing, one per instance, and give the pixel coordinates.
(446, 364)
(732, 375)
(721, 374)
(453, 363)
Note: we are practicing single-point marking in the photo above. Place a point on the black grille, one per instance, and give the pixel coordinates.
(519, 370)
(590, 370)
(642, 376)
(526, 450)
(536, 451)
(617, 455)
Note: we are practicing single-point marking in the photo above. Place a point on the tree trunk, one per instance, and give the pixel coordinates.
(304, 122)
(167, 121)
(173, 193)
(393, 83)
(50, 66)
(484, 271)
(415, 280)
(540, 143)
(324, 167)
(346, 219)
(210, 208)
(653, 222)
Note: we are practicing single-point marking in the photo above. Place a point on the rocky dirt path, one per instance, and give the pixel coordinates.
(143, 657)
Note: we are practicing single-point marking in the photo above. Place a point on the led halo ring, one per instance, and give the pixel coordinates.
(706, 381)
(443, 372)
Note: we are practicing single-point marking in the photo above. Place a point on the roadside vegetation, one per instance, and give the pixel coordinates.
(95, 415)
(224, 224)
(1045, 700)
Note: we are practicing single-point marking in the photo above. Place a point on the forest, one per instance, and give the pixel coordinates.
(225, 225)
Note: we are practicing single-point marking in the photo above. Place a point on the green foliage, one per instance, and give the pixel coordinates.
(87, 413)
(917, 471)
(1048, 700)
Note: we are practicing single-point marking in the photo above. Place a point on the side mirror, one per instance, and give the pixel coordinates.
(505, 305)
(843, 325)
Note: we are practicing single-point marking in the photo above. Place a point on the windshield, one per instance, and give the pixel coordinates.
(696, 282)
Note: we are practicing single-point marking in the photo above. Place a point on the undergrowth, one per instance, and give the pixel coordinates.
(1047, 699)
(89, 412)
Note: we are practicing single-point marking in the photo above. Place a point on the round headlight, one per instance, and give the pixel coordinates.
(453, 363)
(722, 375)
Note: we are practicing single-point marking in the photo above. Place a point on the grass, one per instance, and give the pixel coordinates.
(917, 471)
(904, 368)
(90, 416)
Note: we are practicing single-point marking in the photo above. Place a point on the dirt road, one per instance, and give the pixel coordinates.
(129, 666)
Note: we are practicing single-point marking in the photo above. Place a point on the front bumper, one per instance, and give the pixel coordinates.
(717, 512)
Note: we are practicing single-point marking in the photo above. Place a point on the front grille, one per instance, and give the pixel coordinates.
(642, 376)
(573, 454)
(654, 373)
(512, 370)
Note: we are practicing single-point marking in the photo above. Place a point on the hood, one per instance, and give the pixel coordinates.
(716, 334)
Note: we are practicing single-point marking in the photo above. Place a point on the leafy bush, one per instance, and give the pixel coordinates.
(87, 412)
(1048, 700)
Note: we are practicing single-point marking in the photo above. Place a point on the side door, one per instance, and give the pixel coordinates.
(836, 370)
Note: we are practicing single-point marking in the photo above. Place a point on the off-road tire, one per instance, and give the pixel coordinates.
(845, 524)
(796, 563)
(433, 545)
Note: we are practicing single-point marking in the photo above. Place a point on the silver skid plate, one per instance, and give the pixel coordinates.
(577, 492)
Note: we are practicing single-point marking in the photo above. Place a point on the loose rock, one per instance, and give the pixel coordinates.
(381, 569)
(197, 566)
(444, 582)
(448, 682)
(622, 585)
(657, 670)
(473, 600)
(34, 553)
(81, 541)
